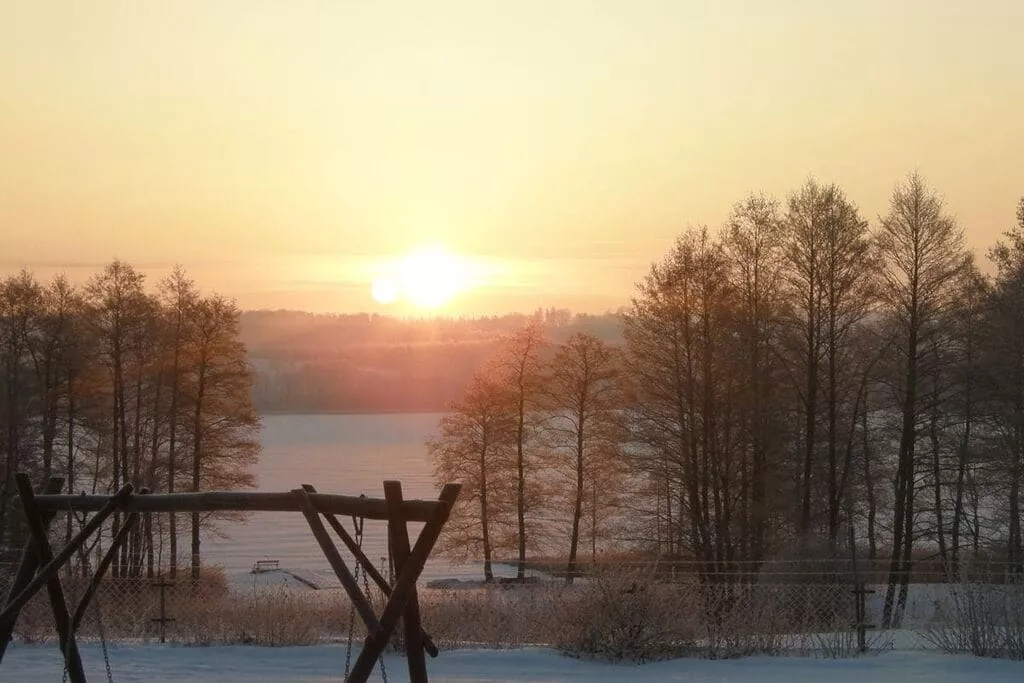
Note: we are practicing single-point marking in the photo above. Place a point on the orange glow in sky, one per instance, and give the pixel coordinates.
(282, 152)
(428, 278)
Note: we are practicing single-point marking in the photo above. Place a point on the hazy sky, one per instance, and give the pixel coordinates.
(281, 150)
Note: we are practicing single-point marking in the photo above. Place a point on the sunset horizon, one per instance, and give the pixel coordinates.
(284, 156)
(659, 340)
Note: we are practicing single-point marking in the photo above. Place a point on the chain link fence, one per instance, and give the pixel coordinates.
(618, 612)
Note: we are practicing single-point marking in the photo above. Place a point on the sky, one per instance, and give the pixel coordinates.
(285, 152)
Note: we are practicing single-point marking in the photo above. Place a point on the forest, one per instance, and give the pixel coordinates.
(107, 384)
(369, 363)
(800, 378)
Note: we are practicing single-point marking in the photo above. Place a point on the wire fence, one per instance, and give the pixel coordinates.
(617, 612)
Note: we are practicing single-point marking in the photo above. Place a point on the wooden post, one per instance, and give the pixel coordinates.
(58, 603)
(399, 536)
(53, 564)
(372, 571)
(341, 570)
(163, 584)
(26, 569)
(404, 586)
(860, 592)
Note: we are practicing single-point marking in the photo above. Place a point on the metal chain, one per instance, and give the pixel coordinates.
(357, 524)
(352, 610)
(84, 558)
(366, 590)
(80, 518)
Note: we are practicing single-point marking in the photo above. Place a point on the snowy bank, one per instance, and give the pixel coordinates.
(322, 663)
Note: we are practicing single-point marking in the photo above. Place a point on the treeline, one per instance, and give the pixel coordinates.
(799, 374)
(109, 385)
(538, 431)
(367, 363)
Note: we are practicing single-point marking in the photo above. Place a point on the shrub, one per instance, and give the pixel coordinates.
(271, 618)
(625, 616)
(495, 615)
(987, 620)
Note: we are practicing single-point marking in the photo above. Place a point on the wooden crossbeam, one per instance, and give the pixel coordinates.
(399, 535)
(242, 501)
(26, 569)
(405, 586)
(58, 603)
(368, 567)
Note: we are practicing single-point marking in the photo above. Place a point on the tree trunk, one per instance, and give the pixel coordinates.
(940, 534)
(869, 486)
(197, 460)
(810, 412)
(577, 512)
(485, 522)
(833, 456)
(172, 472)
(903, 512)
(521, 486)
(961, 473)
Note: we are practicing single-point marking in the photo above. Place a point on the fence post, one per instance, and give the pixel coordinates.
(860, 591)
(163, 584)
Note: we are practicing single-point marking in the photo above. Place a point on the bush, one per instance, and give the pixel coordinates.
(494, 616)
(987, 620)
(271, 618)
(625, 616)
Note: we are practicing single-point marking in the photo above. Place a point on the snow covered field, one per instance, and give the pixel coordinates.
(235, 664)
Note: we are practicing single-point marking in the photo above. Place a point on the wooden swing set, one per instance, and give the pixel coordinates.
(40, 565)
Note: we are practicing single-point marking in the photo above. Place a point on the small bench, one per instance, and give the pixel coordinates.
(265, 566)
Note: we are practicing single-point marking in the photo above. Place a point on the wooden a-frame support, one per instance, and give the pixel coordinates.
(39, 566)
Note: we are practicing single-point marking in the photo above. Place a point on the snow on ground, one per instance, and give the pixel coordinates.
(303, 579)
(469, 575)
(318, 664)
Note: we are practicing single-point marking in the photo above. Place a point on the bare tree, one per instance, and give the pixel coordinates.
(923, 256)
(806, 225)
(585, 393)
(679, 335)
(474, 446)
(20, 310)
(519, 366)
(1003, 348)
(832, 277)
(180, 298)
(224, 423)
(754, 244)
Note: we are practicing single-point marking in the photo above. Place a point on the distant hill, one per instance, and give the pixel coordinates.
(362, 363)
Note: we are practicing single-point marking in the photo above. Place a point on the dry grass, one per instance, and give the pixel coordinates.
(619, 614)
(987, 621)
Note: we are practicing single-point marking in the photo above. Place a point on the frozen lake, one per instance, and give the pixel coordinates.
(348, 454)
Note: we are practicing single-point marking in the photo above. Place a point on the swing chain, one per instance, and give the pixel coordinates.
(358, 528)
(357, 524)
(366, 590)
(81, 518)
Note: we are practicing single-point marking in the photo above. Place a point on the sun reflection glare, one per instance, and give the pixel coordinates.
(428, 278)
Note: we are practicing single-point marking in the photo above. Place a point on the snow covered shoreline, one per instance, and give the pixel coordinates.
(322, 663)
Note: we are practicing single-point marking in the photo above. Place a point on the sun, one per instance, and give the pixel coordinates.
(427, 277)
(385, 290)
